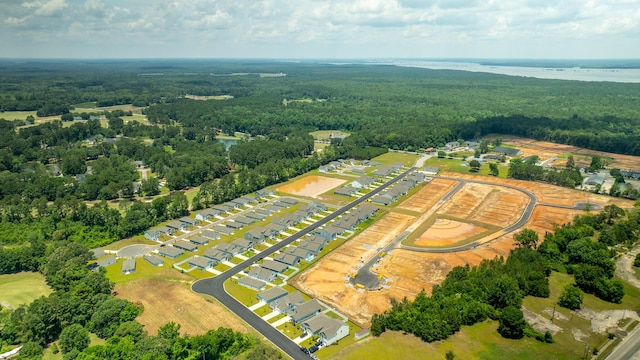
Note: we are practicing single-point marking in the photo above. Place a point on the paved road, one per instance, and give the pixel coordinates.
(629, 347)
(215, 286)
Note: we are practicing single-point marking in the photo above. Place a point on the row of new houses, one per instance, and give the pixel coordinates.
(390, 195)
(366, 181)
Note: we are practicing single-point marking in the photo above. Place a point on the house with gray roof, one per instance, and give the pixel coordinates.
(264, 193)
(274, 229)
(280, 204)
(128, 266)
(594, 180)
(507, 151)
(222, 208)
(289, 201)
(329, 232)
(207, 214)
(210, 234)
(185, 245)
(154, 233)
(223, 229)
(229, 248)
(384, 171)
(257, 234)
(244, 220)
(256, 216)
(217, 255)
(431, 170)
(199, 240)
(252, 283)
(363, 182)
(154, 260)
(287, 302)
(273, 208)
(287, 259)
(243, 245)
(299, 252)
(264, 212)
(234, 225)
(272, 294)
(304, 311)
(177, 225)
(189, 221)
(314, 247)
(329, 330)
(317, 239)
(201, 262)
(261, 273)
(241, 202)
(345, 190)
(109, 260)
(231, 205)
(360, 170)
(274, 266)
(170, 252)
(382, 199)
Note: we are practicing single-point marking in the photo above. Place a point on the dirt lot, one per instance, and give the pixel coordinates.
(446, 232)
(311, 186)
(411, 271)
(546, 150)
(428, 195)
(168, 297)
(325, 279)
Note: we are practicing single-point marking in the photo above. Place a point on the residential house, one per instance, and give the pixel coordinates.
(223, 229)
(272, 230)
(263, 212)
(304, 311)
(345, 191)
(257, 234)
(243, 220)
(274, 266)
(199, 240)
(210, 234)
(317, 239)
(207, 214)
(287, 259)
(109, 260)
(304, 254)
(272, 294)
(222, 208)
(363, 182)
(252, 283)
(360, 170)
(287, 302)
(240, 202)
(328, 330)
(234, 225)
(154, 260)
(382, 199)
(128, 266)
(201, 262)
(329, 232)
(384, 171)
(273, 208)
(264, 193)
(256, 216)
(177, 225)
(186, 245)
(261, 273)
(154, 233)
(243, 245)
(314, 247)
(507, 151)
(170, 252)
(217, 255)
(280, 204)
(289, 201)
(231, 205)
(594, 180)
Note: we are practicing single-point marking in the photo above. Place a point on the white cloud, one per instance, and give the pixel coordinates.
(46, 8)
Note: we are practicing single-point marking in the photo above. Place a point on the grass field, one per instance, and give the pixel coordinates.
(324, 134)
(22, 288)
(391, 158)
(49, 355)
(454, 165)
(17, 115)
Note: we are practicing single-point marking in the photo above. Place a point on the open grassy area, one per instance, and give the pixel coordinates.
(241, 293)
(324, 134)
(134, 240)
(455, 165)
(391, 158)
(17, 115)
(318, 146)
(144, 270)
(22, 288)
(330, 351)
(49, 355)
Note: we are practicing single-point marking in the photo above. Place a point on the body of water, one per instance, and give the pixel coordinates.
(228, 142)
(580, 74)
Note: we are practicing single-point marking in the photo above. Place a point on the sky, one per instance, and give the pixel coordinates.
(325, 29)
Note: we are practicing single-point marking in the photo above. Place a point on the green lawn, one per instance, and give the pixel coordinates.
(17, 115)
(144, 270)
(22, 288)
(324, 134)
(454, 165)
(391, 158)
(49, 355)
(241, 293)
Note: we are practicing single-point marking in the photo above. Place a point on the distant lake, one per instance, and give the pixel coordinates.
(576, 73)
(228, 142)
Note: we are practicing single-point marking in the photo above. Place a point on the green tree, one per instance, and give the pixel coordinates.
(442, 154)
(476, 154)
(512, 323)
(596, 162)
(449, 355)
(526, 238)
(636, 262)
(571, 297)
(571, 163)
(493, 169)
(74, 337)
(150, 186)
(475, 165)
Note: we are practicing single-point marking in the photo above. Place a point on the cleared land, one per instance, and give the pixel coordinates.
(546, 150)
(324, 134)
(22, 288)
(446, 232)
(325, 280)
(391, 158)
(167, 297)
(428, 196)
(311, 186)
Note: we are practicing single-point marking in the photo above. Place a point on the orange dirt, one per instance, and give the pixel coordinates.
(447, 232)
(546, 150)
(311, 186)
(168, 297)
(324, 280)
(428, 196)
(412, 271)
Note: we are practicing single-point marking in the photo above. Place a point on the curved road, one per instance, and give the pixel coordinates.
(215, 286)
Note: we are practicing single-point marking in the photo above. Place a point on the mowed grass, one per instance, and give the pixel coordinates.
(324, 134)
(22, 288)
(17, 115)
(49, 355)
(455, 165)
(391, 158)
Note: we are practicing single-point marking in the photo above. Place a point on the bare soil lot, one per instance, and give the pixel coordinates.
(168, 297)
(428, 196)
(546, 150)
(311, 186)
(325, 279)
(446, 232)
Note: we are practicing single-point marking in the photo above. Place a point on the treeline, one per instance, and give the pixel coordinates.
(528, 170)
(495, 288)
(82, 302)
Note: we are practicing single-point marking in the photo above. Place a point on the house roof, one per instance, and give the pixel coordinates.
(275, 266)
(303, 311)
(209, 213)
(322, 323)
(506, 150)
(216, 254)
(261, 273)
(293, 299)
(298, 251)
(185, 245)
(170, 251)
(199, 240)
(188, 220)
(287, 259)
(210, 234)
(252, 283)
(175, 225)
(200, 261)
(256, 215)
(154, 260)
(242, 243)
(345, 190)
(106, 261)
(272, 294)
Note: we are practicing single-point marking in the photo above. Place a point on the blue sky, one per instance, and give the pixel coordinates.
(320, 28)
